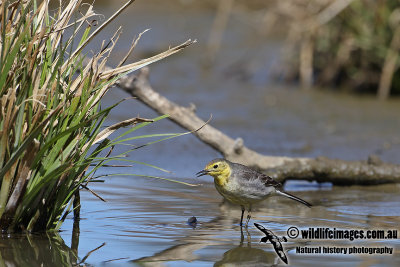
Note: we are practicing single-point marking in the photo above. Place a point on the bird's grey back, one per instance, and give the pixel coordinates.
(250, 174)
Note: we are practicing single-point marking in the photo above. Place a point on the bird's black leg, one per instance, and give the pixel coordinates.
(241, 218)
(248, 216)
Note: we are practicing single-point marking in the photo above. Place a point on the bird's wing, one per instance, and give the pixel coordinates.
(250, 174)
(268, 181)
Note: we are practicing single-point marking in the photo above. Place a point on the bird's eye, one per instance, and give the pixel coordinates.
(215, 166)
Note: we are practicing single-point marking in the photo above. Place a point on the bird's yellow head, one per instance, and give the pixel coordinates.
(219, 169)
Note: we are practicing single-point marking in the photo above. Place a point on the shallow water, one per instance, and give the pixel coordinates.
(144, 221)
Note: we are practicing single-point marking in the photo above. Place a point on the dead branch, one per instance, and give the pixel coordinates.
(340, 172)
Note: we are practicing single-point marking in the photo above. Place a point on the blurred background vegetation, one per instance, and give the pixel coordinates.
(345, 44)
(349, 45)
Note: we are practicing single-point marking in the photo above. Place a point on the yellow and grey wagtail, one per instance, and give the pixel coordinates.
(242, 185)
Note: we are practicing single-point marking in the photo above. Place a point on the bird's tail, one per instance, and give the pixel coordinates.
(294, 198)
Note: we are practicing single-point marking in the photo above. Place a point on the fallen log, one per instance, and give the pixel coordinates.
(339, 172)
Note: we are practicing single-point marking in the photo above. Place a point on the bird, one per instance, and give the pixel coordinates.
(242, 185)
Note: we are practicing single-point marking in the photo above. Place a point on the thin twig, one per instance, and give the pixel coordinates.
(90, 252)
(94, 193)
(117, 259)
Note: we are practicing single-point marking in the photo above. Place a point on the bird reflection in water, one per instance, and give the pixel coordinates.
(248, 256)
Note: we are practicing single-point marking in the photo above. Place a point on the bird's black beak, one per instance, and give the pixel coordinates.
(201, 173)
